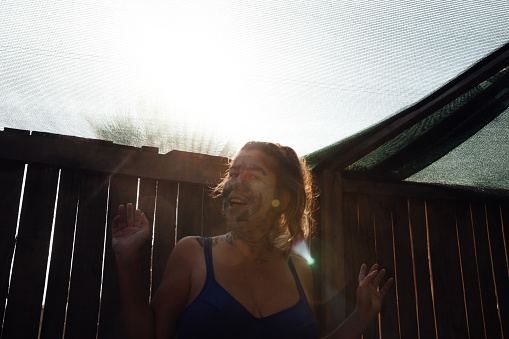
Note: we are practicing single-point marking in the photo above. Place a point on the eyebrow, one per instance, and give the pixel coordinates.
(250, 167)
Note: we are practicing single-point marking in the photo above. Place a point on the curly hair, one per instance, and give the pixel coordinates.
(293, 176)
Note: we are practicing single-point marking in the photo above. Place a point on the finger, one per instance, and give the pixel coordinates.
(129, 215)
(144, 222)
(386, 287)
(137, 218)
(362, 273)
(121, 216)
(115, 222)
(373, 268)
(379, 278)
(369, 279)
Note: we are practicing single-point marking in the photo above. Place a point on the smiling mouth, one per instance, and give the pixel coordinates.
(237, 202)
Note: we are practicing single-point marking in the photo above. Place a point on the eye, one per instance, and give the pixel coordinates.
(233, 174)
(252, 175)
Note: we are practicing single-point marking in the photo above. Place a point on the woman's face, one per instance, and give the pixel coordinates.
(249, 195)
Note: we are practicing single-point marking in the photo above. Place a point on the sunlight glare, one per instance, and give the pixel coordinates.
(302, 249)
(190, 70)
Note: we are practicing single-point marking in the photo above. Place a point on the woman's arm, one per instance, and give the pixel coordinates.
(368, 304)
(129, 234)
(172, 295)
(159, 319)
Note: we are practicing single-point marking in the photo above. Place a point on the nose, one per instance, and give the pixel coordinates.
(237, 183)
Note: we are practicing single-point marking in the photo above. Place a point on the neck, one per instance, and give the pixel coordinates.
(254, 249)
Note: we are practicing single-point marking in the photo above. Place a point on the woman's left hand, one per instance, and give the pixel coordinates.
(369, 296)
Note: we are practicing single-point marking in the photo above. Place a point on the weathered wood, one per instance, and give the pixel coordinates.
(488, 297)
(471, 285)
(85, 285)
(418, 190)
(355, 218)
(190, 210)
(23, 312)
(352, 251)
(95, 155)
(332, 256)
(367, 246)
(11, 179)
(389, 314)
(425, 307)
(122, 191)
(500, 264)
(60, 266)
(446, 270)
(504, 214)
(404, 269)
(214, 222)
(164, 232)
(146, 203)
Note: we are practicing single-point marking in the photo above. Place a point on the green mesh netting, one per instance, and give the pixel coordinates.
(464, 142)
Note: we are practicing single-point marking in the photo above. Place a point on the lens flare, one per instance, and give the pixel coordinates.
(302, 249)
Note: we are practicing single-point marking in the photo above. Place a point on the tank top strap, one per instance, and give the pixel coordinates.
(207, 249)
(296, 276)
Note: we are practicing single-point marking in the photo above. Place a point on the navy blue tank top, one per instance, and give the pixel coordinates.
(216, 314)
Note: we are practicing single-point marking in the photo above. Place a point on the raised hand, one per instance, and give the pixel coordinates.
(369, 296)
(130, 230)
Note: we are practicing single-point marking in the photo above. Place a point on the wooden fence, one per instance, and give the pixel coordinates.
(70, 190)
(448, 255)
(447, 250)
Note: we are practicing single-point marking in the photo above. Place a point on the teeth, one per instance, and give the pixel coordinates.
(237, 201)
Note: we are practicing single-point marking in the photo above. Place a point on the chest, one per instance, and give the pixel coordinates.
(262, 289)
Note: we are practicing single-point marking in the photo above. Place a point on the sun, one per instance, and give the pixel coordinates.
(193, 69)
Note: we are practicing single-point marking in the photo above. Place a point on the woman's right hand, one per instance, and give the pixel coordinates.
(130, 231)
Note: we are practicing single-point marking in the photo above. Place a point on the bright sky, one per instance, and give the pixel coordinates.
(302, 73)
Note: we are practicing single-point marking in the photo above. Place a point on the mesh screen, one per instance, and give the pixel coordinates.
(206, 76)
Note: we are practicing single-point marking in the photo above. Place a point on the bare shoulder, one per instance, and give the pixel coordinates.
(304, 271)
(184, 258)
(171, 297)
(189, 245)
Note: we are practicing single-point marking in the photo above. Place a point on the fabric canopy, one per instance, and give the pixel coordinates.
(456, 136)
(207, 76)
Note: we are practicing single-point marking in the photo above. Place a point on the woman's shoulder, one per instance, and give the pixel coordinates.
(192, 246)
(189, 247)
(304, 271)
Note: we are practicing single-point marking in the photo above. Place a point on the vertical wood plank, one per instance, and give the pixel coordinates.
(470, 270)
(59, 272)
(489, 302)
(352, 250)
(214, 222)
(11, 179)
(85, 286)
(404, 269)
(500, 264)
(384, 247)
(164, 229)
(23, 312)
(122, 191)
(504, 216)
(446, 270)
(190, 210)
(425, 307)
(332, 253)
(146, 203)
(367, 247)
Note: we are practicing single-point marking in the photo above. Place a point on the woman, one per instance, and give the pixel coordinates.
(244, 284)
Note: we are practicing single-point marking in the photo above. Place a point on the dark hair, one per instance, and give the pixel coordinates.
(293, 176)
